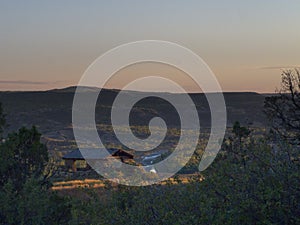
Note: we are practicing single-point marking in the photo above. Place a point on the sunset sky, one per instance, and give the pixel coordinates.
(46, 45)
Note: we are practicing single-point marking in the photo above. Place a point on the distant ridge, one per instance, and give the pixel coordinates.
(72, 89)
(52, 110)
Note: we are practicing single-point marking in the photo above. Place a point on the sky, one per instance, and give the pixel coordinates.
(49, 44)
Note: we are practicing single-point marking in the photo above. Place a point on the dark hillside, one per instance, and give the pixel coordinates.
(52, 110)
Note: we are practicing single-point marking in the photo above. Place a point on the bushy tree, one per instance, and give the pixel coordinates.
(23, 156)
(33, 204)
(256, 184)
(283, 109)
(24, 195)
(239, 133)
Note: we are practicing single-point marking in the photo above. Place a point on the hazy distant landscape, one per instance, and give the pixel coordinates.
(51, 112)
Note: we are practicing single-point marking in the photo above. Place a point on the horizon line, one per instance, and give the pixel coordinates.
(116, 89)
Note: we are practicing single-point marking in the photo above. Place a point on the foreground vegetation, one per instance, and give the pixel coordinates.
(254, 180)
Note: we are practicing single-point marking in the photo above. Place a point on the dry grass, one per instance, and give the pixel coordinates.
(93, 183)
(87, 183)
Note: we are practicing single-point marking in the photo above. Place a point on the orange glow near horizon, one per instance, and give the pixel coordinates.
(47, 45)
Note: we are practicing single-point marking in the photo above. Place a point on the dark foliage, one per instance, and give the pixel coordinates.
(22, 157)
(24, 195)
(283, 110)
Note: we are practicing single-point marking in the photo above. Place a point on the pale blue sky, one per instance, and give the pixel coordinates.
(49, 44)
